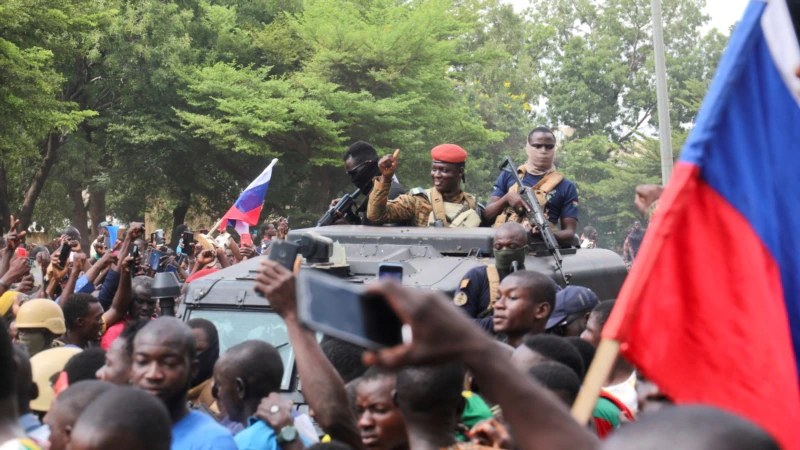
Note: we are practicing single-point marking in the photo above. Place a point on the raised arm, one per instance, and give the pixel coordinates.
(123, 297)
(322, 386)
(17, 270)
(77, 266)
(237, 256)
(441, 334)
(379, 209)
(13, 240)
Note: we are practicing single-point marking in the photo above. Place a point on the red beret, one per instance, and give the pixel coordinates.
(449, 153)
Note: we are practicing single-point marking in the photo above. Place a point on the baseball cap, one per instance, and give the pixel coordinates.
(572, 300)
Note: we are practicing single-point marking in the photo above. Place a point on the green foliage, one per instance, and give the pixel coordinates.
(165, 103)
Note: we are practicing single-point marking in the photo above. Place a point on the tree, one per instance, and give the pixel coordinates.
(41, 101)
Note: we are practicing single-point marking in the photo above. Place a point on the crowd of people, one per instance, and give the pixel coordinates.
(88, 360)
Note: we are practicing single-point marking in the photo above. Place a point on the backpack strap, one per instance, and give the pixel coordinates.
(540, 190)
(546, 185)
(494, 284)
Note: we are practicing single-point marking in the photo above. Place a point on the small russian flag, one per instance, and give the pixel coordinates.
(247, 209)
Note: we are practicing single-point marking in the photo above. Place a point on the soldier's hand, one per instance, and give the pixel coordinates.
(516, 203)
(334, 202)
(388, 166)
(276, 283)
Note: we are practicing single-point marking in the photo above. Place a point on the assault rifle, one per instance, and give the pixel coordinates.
(344, 206)
(536, 216)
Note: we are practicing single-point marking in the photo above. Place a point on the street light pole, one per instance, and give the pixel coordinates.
(665, 135)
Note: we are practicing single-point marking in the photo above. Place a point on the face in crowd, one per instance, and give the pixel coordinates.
(380, 421)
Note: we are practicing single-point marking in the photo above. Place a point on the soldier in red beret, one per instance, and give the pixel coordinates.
(444, 205)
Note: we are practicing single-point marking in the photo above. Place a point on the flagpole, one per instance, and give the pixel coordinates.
(596, 377)
(665, 135)
(215, 229)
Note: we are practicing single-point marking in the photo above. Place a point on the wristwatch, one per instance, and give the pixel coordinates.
(287, 435)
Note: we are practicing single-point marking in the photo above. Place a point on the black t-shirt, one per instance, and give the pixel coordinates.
(635, 239)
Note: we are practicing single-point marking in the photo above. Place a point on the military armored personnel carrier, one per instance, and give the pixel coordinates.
(432, 258)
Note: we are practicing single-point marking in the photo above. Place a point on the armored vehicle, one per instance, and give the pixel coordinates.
(432, 258)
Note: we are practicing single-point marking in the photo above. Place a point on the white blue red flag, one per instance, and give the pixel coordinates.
(247, 209)
(711, 309)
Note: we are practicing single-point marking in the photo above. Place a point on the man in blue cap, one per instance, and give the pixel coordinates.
(573, 306)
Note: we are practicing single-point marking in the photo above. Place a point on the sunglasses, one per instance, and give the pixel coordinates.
(547, 146)
(354, 170)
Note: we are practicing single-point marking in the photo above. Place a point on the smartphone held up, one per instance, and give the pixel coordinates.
(346, 311)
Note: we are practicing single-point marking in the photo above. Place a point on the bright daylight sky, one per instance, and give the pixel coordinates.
(723, 13)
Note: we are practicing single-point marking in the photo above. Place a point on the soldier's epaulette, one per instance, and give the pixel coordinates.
(416, 191)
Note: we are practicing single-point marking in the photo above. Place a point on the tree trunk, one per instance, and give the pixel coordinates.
(54, 142)
(180, 211)
(5, 212)
(79, 214)
(97, 210)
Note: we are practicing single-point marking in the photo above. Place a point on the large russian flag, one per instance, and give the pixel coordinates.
(711, 308)
(247, 209)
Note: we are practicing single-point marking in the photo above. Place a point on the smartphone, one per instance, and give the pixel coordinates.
(247, 240)
(36, 270)
(391, 270)
(134, 253)
(155, 259)
(187, 238)
(63, 256)
(159, 237)
(343, 310)
(284, 253)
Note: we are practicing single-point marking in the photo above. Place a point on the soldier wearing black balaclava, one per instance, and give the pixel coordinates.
(361, 165)
(479, 288)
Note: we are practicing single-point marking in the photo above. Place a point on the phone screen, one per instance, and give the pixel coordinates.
(391, 270)
(284, 253)
(64, 254)
(344, 311)
(155, 259)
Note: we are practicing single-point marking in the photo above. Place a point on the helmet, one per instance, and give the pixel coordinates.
(43, 366)
(7, 301)
(41, 313)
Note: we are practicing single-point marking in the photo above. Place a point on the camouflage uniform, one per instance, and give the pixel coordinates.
(412, 208)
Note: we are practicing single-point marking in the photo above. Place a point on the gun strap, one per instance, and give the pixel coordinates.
(438, 205)
(540, 190)
(493, 275)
